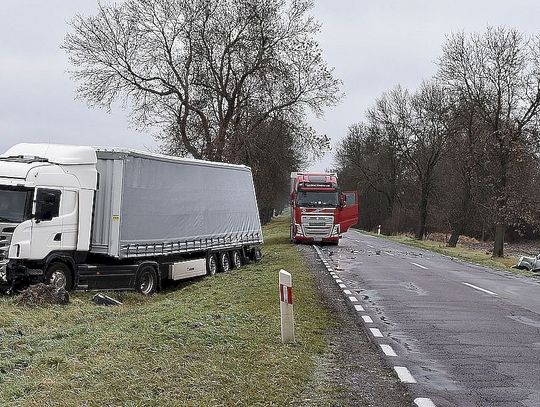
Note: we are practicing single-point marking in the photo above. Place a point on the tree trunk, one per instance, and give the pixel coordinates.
(457, 230)
(454, 237)
(498, 247)
(423, 216)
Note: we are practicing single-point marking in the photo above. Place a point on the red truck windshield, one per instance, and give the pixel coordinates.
(317, 199)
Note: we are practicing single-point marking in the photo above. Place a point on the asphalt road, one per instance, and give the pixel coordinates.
(468, 335)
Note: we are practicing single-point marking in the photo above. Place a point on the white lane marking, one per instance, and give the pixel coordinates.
(388, 350)
(376, 332)
(404, 375)
(480, 289)
(423, 402)
(359, 308)
(347, 292)
(342, 285)
(419, 265)
(353, 299)
(330, 269)
(338, 281)
(367, 319)
(373, 247)
(336, 277)
(388, 253)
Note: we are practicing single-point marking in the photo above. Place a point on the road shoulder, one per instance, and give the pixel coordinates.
(352, 371)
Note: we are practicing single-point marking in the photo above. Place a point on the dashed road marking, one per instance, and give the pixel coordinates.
(388, 350)
(359, 308)
(367, 319)
(347, 292)
(353, 299)
(336, 277)
(404, 375)
(419, 265)
(423, 402)
(342, 286)
(376, 332)
(388, 253)
(338, 281)
(373, 247)
(480, 289)
(330, 269)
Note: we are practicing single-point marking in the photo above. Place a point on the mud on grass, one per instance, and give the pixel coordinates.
(208, 342)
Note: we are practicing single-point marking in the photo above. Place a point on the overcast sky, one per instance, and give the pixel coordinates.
(373, 45)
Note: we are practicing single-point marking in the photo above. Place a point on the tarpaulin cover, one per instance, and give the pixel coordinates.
(185, 201)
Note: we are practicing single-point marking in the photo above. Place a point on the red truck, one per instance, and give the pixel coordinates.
(320, 211)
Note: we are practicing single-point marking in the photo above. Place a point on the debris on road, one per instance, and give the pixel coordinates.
(42, 294)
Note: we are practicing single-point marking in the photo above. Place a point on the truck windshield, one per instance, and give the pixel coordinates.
(15, 204)
(317, 199)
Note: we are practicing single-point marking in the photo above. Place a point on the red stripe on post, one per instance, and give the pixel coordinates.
(281, 293)
(289, 295)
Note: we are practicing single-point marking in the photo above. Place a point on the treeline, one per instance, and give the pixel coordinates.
(459, 154)
(221, 80)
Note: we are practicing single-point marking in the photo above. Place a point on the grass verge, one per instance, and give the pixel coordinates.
(460, 252)
(209, 342)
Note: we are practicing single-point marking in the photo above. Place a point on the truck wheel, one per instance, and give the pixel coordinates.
(211, 265)
(224, 262)
(147, 280)
(59, 275)
(236, 259)
(257, 254)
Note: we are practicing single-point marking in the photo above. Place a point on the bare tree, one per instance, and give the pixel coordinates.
(497, 72)
(418, 125)
(202, 70)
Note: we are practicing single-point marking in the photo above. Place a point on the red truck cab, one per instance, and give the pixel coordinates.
(320, 211)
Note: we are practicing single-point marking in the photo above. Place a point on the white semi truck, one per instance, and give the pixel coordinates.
(89, 218)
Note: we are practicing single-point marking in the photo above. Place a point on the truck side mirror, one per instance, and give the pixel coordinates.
(342, 200)
(47, 204)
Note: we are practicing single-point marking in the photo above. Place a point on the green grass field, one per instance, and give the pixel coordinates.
(209, 342)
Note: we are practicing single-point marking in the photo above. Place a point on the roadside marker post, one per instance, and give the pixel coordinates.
(286, 307)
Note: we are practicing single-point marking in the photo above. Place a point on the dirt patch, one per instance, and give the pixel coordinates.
(42, 294)
(352, 372)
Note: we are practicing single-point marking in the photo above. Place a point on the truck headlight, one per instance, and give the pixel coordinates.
(335, 230)
(299, 229)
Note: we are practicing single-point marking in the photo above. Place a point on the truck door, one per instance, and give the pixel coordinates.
(47, 223)
(349, 212)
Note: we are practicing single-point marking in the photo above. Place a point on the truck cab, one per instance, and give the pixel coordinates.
(45, 209)
(320, 211)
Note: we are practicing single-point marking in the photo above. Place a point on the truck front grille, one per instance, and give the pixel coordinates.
(5, 241)
(317, 226)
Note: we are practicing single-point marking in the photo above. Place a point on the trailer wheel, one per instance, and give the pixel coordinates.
(211, 265)
(147, 280)
(236, 259)
(59, 275)
(257, 254)
(224, 262)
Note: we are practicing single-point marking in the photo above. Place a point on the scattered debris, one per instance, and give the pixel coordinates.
(42, 294)
(101, 299)
(528, 263)
(378, 252)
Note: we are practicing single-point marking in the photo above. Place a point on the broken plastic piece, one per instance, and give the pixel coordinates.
(101, 299)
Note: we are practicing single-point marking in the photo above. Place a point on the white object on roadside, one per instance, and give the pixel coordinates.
(286, 307)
